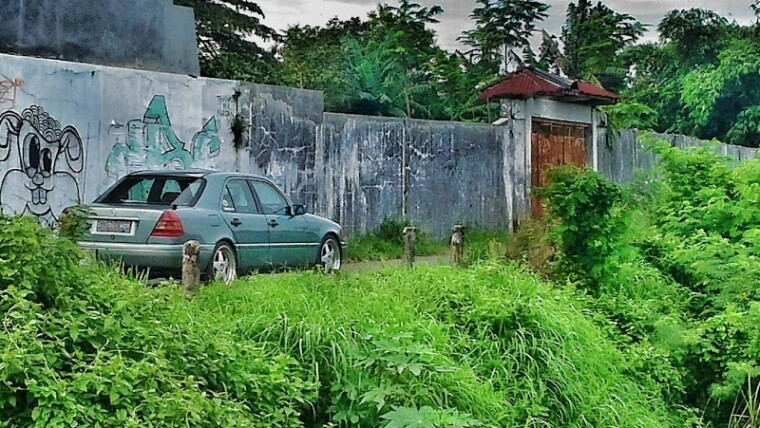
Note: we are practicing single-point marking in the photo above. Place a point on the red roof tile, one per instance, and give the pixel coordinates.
(591, 89)
(522, 83)
(529, 83)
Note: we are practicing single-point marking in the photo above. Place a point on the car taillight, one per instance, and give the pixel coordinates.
(169, 226)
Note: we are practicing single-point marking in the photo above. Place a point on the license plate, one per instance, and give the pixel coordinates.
(123, 227)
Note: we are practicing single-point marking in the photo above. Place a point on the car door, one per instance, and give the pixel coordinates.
(289, 238)
(249, 226)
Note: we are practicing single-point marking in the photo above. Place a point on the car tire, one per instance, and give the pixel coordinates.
(330, 255)
(223, 264)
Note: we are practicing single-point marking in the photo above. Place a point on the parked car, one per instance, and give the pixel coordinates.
(243, 222)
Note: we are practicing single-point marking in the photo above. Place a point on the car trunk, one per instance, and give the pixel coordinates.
(123, 223)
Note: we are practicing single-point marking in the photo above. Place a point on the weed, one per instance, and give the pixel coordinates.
(81, 345)
(386, 243)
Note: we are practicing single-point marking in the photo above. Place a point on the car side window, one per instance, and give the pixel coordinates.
(237, 197)
(272, 201)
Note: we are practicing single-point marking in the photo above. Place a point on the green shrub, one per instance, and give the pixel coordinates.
(674, 271)
(83, 346)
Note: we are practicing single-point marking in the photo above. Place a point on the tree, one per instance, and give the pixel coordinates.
(380, 83)
(720, 99)
(501, 25)
(702, 78)
(387, 65)
(695, 34)
(409, 22)
(593, 37)
(225, 29)
(550, 57)
(317, 58)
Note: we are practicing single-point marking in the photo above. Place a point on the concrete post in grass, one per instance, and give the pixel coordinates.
(410, 237)
(190, 272)
(457, 244)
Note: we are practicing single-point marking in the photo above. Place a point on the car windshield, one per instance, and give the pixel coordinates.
(155, 190)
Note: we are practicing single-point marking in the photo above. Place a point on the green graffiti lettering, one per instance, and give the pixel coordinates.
(151, 143)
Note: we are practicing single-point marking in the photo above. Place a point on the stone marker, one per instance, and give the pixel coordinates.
(410, 236)
(457, 244)
(190, 272)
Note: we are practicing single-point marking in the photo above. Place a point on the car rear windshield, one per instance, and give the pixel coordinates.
(155, 190)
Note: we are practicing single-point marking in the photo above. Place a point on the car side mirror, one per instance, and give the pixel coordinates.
(297, 210)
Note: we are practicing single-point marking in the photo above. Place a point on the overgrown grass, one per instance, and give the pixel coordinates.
(386, 243)
(373, 248)
(489, 345)
(82, 345)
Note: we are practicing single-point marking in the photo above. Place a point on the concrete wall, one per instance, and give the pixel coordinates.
(623, 159)
(435, 174)
(69, 130)
(146, 34)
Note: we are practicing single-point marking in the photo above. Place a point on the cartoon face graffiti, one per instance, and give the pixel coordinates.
(37, 163)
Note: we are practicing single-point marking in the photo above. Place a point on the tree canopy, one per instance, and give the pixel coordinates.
(698, 77)
(226, 29)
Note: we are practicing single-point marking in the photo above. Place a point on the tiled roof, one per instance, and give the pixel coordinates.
(591, 89)
(529, 82)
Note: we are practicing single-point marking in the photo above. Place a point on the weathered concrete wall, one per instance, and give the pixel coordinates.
(68, 130)
(360, 170)
(145, 34)
(624, 158)
(433, 173)
(455, 175)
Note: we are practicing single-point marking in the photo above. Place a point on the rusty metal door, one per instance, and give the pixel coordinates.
(555, 143)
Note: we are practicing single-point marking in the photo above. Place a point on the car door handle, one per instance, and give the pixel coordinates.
(273, 223)
(235, 222)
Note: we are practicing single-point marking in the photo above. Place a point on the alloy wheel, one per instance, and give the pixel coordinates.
(330, 256)
(224, 265)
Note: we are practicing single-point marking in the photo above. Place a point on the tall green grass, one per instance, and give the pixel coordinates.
(491, 345)
(386, 243)
(81, 345)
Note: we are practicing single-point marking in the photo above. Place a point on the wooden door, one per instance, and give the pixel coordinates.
(555, 143)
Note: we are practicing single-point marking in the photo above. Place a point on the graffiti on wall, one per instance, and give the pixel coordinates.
(151, 143)
(8, 89)
(39, 162)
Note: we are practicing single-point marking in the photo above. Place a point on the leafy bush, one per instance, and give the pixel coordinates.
(590, 228)
(677, 276)
(84, 346)
(75, 221)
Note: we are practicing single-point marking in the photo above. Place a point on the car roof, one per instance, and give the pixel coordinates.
(193, 173)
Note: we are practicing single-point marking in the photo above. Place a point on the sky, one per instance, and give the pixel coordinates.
(280, 14)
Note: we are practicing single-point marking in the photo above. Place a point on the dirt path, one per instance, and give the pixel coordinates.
(356, 267)
(352, 267)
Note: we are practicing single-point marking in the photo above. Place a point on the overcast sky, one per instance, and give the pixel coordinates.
(282, 13)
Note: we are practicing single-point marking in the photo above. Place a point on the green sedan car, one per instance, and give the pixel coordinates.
(243, 223)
